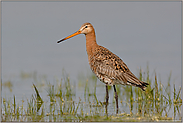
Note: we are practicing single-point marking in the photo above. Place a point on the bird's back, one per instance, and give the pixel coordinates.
(110, 69)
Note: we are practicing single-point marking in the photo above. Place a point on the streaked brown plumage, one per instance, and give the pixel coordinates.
(108, 67)
(111, 70)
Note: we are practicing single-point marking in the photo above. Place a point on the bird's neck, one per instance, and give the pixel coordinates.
(91, 43)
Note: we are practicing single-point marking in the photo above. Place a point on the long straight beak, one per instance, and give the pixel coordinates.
(70, 36)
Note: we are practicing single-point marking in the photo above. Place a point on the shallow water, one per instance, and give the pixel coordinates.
(22, 88)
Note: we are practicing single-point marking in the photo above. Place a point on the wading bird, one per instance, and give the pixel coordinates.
(108, 67)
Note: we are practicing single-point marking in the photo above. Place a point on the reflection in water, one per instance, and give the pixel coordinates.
(8, 84)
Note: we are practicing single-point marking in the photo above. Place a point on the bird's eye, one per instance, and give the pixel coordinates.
(86, 26)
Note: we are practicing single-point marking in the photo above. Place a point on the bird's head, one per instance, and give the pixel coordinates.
(86, 28)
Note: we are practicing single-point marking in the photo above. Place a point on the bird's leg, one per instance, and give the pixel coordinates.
(107, 97)
(116, 97)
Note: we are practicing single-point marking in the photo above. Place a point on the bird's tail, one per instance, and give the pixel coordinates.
(142, 84)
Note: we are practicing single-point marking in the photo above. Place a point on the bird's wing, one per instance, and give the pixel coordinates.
(109, 65)
(105, 64)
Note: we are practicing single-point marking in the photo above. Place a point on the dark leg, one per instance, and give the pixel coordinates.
(107, 97)
(116, 97)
